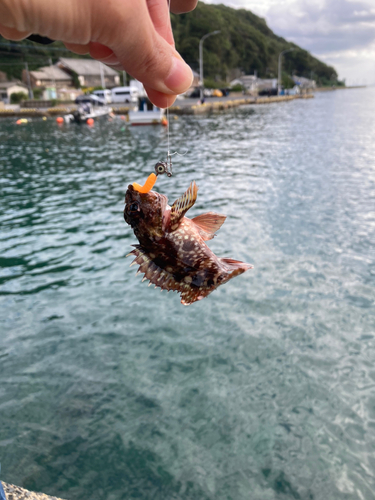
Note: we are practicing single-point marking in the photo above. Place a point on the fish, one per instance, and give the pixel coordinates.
(172, 252)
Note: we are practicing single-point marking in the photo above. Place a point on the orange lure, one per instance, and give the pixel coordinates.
(148, 185)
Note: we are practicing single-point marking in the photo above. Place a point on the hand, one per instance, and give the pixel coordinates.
(130, 35)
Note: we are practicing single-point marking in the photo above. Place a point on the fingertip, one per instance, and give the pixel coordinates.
(99, 51)
(182, 6)
(13, 34)
(77, 48)
(159, 99)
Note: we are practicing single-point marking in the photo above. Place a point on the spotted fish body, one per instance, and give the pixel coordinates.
(172, 252)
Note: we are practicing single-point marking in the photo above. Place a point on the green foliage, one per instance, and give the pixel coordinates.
(245, 42)
(286, 81)
(38, 92)
(209, 83)
(17, 97)
(237, 88)
(76, 82)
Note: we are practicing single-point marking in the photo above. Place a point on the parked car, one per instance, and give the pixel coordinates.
(105, 95)
(197, 93)
(125, 94)
(268, 92)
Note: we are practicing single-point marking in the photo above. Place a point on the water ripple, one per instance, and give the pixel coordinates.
(265, 387)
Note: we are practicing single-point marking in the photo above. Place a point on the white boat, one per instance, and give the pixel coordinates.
(89, 107)
(147, 114)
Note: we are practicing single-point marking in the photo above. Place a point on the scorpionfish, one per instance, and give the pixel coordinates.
(172, 252)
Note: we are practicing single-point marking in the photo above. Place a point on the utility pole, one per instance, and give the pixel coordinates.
(102, 75)
(124, 82)
(201, 60)
(31, 94)
(53, 77)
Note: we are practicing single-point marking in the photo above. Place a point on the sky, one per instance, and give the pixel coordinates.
(339, 32)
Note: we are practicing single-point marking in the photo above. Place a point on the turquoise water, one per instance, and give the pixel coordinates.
(265, 390)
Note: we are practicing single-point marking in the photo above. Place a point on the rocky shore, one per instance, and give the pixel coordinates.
(13, 492)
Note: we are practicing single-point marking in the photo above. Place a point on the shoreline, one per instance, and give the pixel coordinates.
(183, 109)
(330, 89)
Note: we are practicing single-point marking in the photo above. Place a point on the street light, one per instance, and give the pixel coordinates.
(279, 73)
(201, 57)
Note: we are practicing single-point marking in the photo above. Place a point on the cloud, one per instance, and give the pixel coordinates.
(340, 32)
(324, 26)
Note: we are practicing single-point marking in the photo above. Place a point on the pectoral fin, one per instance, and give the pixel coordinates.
(182, 204)
(208, 224)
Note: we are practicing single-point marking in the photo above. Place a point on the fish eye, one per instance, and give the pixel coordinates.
(134, 207)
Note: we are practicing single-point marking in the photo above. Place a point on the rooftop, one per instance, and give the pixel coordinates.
(86, 67)
(6, 85)
(50, 73)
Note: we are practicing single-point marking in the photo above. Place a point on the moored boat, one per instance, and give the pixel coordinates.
(89, 107)
(147, 114)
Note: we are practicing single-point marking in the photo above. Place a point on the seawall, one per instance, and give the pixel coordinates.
(181, 109)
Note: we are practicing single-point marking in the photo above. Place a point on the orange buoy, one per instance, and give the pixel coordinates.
(19, 121)
(90, 121)
(164, 122)
(148, 185)
(122, 117)
(60, 119)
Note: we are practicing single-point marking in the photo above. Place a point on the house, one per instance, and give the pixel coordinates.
(253, 85)
(8, 88)
(248, 82)
(196, 79)
(49, 76)
(304, 83)
(89, 72)
(266, 83)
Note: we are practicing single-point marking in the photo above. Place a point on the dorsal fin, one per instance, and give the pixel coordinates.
(208, 224)
(183, 203)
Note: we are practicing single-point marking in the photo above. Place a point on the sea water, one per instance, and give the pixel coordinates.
(265, 390)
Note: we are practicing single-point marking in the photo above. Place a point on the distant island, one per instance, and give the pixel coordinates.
(244, 46)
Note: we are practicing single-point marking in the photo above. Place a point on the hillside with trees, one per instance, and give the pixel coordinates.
(245, 45)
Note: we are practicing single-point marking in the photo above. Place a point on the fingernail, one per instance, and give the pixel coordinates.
(180, 77)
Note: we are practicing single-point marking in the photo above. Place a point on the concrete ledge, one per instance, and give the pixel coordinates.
(189, 109)
(208, 107)
(13, 492)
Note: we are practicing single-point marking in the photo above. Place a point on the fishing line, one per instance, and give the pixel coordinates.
(169, 159)
(169, 154)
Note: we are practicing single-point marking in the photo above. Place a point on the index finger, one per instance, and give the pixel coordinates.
(181, 6)
(160, 17)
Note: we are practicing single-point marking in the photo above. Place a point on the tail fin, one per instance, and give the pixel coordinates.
(236, 265)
